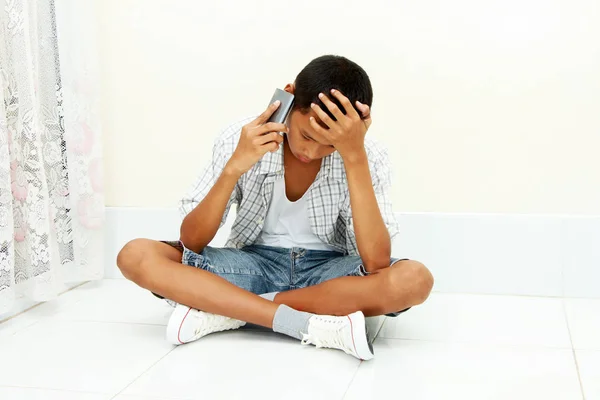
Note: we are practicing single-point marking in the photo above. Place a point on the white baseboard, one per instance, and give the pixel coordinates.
(533, 255)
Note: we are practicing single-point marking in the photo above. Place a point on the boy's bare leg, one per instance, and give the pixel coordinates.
(405, 284)
(157, 267)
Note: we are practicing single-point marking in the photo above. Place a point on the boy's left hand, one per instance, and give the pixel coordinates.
(347, 134)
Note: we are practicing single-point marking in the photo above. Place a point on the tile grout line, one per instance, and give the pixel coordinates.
(361, 362)
(95, 321)
(535, 296)
(41, 302)
(143, 372)
(485, 344)
(49, 389)
(352, 380)
(573, 349)
(385, 319)
(563, 262)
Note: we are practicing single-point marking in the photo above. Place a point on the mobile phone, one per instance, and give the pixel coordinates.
(287, 101)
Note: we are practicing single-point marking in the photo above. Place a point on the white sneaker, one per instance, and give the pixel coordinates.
(348, 333)
(171, 303)
(187, 324)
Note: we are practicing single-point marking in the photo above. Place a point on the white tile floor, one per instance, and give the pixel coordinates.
(104, 340)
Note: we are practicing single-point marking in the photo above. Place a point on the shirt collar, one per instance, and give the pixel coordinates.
(333, 166)
(272, 163)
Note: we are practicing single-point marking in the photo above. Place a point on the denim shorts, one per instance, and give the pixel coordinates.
(262, 269)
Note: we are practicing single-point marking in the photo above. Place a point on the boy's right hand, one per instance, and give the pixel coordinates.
(256, 140)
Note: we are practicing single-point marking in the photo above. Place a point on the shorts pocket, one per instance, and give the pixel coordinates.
(192, 259)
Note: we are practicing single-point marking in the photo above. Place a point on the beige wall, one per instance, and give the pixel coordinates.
(487, 106)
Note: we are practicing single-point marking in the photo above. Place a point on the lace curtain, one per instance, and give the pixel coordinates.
(51, 187)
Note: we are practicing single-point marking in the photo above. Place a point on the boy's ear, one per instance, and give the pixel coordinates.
(290, 88)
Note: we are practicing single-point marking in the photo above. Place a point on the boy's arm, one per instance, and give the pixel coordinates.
(347, 135)
(200, 226)
(205, 210)
(372, 235)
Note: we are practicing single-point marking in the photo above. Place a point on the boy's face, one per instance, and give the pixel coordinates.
(300, 136)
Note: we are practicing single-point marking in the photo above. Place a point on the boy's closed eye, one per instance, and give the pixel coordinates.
(307, 137)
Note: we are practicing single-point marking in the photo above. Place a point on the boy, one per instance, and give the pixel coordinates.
(309, 251)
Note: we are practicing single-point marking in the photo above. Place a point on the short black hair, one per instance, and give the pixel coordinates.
(332, 72)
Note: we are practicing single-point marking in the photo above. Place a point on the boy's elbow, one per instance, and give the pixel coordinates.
(186, 238)
(377, 259)
(373, 264)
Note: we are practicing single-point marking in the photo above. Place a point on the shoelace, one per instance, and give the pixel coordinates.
(214, 323)
(327, 333)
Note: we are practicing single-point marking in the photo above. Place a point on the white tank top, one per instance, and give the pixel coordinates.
(287, 224)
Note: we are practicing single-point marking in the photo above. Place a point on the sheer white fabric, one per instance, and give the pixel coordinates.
(51, 185)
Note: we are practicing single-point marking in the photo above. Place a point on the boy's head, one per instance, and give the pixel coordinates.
(331, 72)
(320, 76)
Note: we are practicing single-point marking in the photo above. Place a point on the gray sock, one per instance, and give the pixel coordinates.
(291, 322)
(269, 296)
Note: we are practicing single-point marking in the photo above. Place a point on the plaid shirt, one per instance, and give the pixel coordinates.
(328, 197)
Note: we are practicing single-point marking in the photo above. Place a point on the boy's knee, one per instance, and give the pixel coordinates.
(412, 277)
(129, 259)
